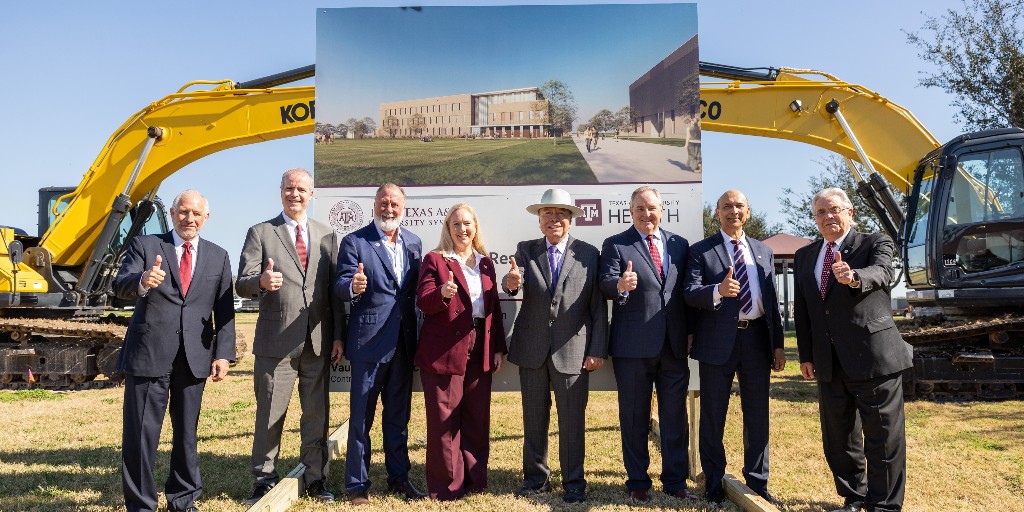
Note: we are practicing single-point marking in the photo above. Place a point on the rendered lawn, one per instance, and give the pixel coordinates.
(449, 161)
(62, 452)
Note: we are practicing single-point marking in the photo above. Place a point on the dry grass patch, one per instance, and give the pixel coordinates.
(61, 452)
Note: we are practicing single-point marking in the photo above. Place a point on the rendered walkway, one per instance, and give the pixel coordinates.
(618, 161)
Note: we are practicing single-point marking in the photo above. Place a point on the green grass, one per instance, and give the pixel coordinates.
(665, 142)
(30, 395)
(449, 161)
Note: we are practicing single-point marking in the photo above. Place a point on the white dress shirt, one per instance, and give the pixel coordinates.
(753, 280)
(821, 256)
(304, 225)
(473, 283)
(178, 251)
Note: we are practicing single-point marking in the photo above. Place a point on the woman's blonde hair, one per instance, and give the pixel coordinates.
(447, 243)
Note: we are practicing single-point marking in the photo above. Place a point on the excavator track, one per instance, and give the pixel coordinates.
(66, 355)
(966, 358)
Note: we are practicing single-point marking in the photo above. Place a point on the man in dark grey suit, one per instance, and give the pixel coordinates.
(848, 341)
(289, 263)
(730, 284)
(642, 271)
(559, 280)
(181, 332)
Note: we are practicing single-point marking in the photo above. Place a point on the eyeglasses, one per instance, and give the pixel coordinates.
(835, 210)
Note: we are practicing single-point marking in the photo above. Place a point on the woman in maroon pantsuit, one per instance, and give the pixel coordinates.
(461, 344)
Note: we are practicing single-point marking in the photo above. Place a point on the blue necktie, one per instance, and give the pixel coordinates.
(553, 259)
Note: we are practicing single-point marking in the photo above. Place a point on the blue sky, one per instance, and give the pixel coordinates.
(369, 56)
(74, 71)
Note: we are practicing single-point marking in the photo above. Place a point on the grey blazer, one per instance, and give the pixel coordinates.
(569, 320)
(304, 303)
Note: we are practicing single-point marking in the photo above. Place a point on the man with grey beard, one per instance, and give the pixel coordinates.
(378, 266)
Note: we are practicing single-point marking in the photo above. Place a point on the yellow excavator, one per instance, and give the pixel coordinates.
(961, 229)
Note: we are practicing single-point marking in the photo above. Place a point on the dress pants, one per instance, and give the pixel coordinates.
(458, 410)
(636, 378)
(274, 380)
(750, 362)
(145, 403)
(863, 427)
(392, 381)
(571, 393)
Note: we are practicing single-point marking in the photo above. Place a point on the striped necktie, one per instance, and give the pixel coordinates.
(740, 273)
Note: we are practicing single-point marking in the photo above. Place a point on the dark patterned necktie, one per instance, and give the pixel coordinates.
(656, 256)
(300, 246)
(740, 273)
(185, 267)
(826, 268)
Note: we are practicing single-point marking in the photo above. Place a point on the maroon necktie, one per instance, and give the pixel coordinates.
(185, 266)
(655, 255)
(300, 246)
(740, 273)
(826, 268)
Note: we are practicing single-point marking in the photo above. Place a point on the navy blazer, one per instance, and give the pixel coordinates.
(643, 319)
(715, 326)
(387, 307)
(163, 320)
(856, 323)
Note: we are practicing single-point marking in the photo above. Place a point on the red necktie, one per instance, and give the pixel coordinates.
(656, 256)
(300, 246)
(740, 273)
(826, 268)
(185, 266)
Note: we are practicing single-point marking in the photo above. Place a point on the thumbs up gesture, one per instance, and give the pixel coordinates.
(729, 287)
(450, 288)
(514, 279)
(627, 282)
(270, 280)
(359, 281)
(155, 275)
(842, 270)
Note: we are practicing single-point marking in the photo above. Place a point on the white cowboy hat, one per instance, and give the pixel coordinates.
(555, 198)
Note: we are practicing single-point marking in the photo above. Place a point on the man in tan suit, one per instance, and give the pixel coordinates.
(289, 263)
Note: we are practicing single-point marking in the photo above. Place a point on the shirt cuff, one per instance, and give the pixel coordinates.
(143, 291)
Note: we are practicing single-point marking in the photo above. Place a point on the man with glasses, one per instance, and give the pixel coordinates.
(848, 341)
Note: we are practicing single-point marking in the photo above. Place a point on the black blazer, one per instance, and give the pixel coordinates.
(204, 320)
(856, 322)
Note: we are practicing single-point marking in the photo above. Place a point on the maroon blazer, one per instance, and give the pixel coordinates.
(447, 332)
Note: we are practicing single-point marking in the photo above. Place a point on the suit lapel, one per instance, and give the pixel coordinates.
(455, 267)
(811, 257)
(760, 259)
(721, 250)
(285, 236)
(202, 255)
(172, 259)
(377, 244)
(568, 261)
(540, 255)
(640, 244)
(850, 243)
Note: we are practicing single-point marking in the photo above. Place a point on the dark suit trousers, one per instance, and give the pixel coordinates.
(636, 379)
(392, 382)
(458, 411)
(274, 382)
(751, 364)
(874, 408)
(571, 402)
(145, 403)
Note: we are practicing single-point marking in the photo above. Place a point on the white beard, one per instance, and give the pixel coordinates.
(387, 225)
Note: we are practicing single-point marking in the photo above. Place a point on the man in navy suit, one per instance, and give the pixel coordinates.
(181, 332)
(378, 266)
(730, 281)
(641, 271)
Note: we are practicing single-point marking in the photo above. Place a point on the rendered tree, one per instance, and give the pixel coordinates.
(561, 106)
(416, 123)
(390, 125)
(979, 53)
(625, 119)
(602, 120)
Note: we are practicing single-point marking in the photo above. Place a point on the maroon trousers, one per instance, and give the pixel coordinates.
(458, 410)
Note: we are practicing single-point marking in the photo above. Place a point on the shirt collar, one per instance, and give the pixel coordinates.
(657, 234)
(291, 223)
(742, 239)
(178, 240)
(561, 244)
(838, 242)
(382, 235)
(451, 255)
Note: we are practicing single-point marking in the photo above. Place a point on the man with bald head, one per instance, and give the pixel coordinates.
(730, 282)
(181, 332)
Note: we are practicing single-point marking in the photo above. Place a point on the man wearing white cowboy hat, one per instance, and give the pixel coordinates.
(560, 335)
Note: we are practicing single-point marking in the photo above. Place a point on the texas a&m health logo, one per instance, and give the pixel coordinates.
(591, 212)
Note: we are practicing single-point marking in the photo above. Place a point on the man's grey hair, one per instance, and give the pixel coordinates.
(826, 193)
(641, 190)
(296, 171)
(387, 186)
(189, 192)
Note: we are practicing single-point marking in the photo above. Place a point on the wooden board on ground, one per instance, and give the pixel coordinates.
(287, 491)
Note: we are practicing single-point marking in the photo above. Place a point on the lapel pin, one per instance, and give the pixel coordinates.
(376, 244)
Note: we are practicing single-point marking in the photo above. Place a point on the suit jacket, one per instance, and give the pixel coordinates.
(855, 322)
(387, 308)
(304, 303)
(567, 319)
(203, 321)
(715, 328)
(447, 333)
(643, 319)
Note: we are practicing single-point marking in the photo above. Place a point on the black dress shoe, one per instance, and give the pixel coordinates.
(258, 492)
(770, 499)
(850, 507)
(528, 490)
(682, 494)
(639, 496)
(192, 508)
(408, 490)
(717, 498)
(317, 491)
(575, 496)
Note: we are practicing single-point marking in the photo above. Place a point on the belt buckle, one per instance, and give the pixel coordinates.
(743, 324)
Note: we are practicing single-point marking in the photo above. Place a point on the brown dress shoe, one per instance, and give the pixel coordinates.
(640, 496)
(682, 494)
(359, 498)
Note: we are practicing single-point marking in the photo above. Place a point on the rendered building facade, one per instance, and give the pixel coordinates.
(666, 98)
(516, 113)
